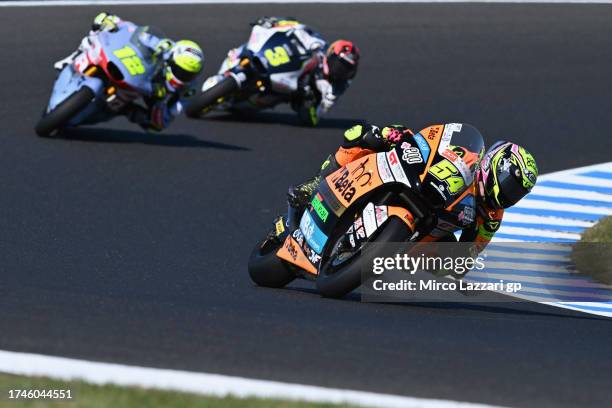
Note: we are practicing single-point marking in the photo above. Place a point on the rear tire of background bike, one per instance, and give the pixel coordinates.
(61, 115)
(267, 269)
(210, 97)
(348, 278)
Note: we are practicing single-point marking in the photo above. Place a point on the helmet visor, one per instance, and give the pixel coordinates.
(511, 189)
(181, 74)
(340, 70)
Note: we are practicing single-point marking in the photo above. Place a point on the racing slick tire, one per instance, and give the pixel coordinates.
(201, 103)
(336, 282)
(266, 269)
(53, 121)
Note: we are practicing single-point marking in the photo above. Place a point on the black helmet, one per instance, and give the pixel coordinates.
(507, 173)
(341, 61)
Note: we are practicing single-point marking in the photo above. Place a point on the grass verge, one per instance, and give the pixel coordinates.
(592, 255)
(103, 396)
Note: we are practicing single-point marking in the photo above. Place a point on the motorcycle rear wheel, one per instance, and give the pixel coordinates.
(338, 281)
(203, 102)
(53, 121)
(266, 269)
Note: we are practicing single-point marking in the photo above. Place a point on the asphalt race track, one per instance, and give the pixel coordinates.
(125, 247)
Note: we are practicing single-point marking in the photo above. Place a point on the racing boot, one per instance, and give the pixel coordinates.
(299, 195)
(297, 199)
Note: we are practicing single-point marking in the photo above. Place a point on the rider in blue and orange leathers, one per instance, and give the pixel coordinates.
(506, 173)
(182, 63)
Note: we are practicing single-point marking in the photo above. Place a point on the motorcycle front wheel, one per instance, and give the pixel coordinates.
(337, 279)
(59, 117)
(203, 102)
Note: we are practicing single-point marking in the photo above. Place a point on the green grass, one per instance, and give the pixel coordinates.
(593, 254)
(95, 396)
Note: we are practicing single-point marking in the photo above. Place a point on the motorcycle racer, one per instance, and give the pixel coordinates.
(181, 63)
(326, 75)
(506, 173)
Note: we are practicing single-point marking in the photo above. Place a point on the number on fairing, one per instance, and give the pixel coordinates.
(277, 57)
(446, 171)
(130, 60)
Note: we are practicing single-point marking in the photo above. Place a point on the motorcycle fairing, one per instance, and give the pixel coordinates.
(372, 218)
(68, 82)
(293, 251)
(105, 49)
(408, 164)
(134, 61)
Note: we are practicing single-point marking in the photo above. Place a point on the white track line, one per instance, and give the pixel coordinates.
(573, 283)
(525, 266)
(577, 307)
(570, 172)
(202, 383)
(563, 192)
(548, 205)
(533, 232)
(492, 253)
(586, 181)
(175, 2)
(540, 219)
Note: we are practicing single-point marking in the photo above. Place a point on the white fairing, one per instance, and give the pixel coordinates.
(259, 36)
(282, 82)
(90, 53)
(285, 82)
(232, 59)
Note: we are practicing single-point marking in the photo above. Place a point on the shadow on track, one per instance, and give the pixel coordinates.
(103, 135)
(281, 118)
(506, 308)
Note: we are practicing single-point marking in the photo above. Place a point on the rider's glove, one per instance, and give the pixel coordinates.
(163, 46)
(377, 139)
(394, 133)
(105, 22)
(327, 95)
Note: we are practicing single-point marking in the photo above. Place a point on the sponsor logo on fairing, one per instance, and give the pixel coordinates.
(423, 146)
(396, 168)
(312, 256)
(369, 219)
(466, 216)
(347, 181)
(383, 168)
(314, 236)
(410, 154)
(447, 135)
(291, 249)
(319, 208)
(439, 189)
(381, 214)
(433, 132)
